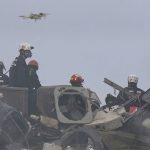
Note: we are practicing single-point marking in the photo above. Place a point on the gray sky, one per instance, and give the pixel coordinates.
(95, 38)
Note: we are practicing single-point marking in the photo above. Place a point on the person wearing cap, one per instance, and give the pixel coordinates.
(18, 73)
(134, 90)
(4, 79)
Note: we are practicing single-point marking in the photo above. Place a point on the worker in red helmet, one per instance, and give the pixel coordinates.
(76, 80)
(34, 84)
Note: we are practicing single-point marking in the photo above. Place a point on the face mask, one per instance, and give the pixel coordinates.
(132, 85)
(28, 54)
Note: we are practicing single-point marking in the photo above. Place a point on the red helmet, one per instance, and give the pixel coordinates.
(76, 79)
(33, 63)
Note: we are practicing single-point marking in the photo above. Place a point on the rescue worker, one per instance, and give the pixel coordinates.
(73, 104)
(134, 90)
(34, 82)
(18, 73)
(76, 80)
(4, 79)
(33, 85)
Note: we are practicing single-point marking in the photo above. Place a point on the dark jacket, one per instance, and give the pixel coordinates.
(18, 73)
(33, 85)
(4, 79)
(34, 82)
(122, 97)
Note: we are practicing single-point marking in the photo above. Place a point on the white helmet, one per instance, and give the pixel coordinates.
(25, 46)
(133, 78)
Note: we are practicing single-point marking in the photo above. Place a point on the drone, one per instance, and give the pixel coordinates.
(35, 16)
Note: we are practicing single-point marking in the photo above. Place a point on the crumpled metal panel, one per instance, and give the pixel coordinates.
(48, 99)
(16, 97)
